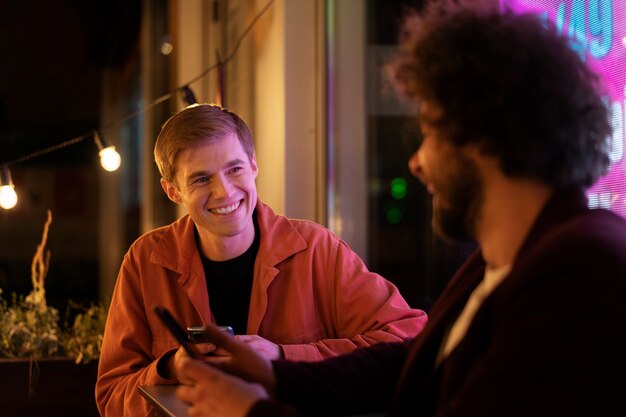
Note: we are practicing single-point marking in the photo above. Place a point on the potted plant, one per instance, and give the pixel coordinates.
(50, 367)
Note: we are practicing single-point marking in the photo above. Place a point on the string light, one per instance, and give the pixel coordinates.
(110, 159)
(8, 196)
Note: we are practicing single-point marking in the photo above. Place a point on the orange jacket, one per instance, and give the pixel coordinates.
(311, 294)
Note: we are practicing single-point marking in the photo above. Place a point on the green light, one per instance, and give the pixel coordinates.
(394, 216)
(398, 188)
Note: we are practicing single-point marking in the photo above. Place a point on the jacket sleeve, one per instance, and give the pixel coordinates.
(126, 359)
(272, 408)
(360, 382)
(364, 308)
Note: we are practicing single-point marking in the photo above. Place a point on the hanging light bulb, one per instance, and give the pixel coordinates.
(110, 159)
(166, 45)
(8, 197)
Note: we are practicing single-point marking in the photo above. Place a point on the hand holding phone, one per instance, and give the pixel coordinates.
(176, 330)
(195, 334)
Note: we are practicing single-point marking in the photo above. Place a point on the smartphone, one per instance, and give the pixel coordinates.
(175, 329)
(195, 334)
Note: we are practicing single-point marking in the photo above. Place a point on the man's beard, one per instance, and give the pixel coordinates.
(458, 212)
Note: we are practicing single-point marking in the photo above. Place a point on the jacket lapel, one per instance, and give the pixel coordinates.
(419, 369)
(178, 252)
(279, 241)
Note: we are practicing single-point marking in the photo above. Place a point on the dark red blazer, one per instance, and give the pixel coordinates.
(549, 341)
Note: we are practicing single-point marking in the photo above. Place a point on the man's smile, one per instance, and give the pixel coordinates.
(227, 209)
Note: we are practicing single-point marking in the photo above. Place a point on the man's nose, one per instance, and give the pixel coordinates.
(414, 165)
(222, 188)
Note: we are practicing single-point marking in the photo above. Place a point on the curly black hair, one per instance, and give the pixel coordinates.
(511, 84)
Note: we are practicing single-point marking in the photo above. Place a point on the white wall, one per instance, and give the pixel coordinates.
(289, 118)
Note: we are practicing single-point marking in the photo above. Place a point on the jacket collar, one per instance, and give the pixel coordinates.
(279, 238)
(177, 247)
(560, 207)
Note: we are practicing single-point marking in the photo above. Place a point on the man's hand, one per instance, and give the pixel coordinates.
(240, 358)
(173, 363)
(212, 392)
(264, 347)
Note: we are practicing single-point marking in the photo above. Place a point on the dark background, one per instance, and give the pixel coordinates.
(53, 59)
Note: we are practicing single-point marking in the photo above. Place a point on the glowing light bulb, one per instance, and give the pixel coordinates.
(166, 45)
(110, 159)
(8, 196)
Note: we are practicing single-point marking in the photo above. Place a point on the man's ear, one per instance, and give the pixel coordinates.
(253, 165)
(171, 191)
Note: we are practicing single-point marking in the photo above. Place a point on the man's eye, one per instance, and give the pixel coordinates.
(201, 180)
(234, 170)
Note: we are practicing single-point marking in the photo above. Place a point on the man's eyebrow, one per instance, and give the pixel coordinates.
(202, 173)
(199, 174)
(234, 162)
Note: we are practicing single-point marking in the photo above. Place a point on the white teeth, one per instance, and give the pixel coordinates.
(226, 210)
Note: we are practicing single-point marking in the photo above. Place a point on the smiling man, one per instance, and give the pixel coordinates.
(216, 183)
(289, 288)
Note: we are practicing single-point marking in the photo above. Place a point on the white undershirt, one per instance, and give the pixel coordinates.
(493, 277)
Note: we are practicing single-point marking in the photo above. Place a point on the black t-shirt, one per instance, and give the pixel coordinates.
(230, 284)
